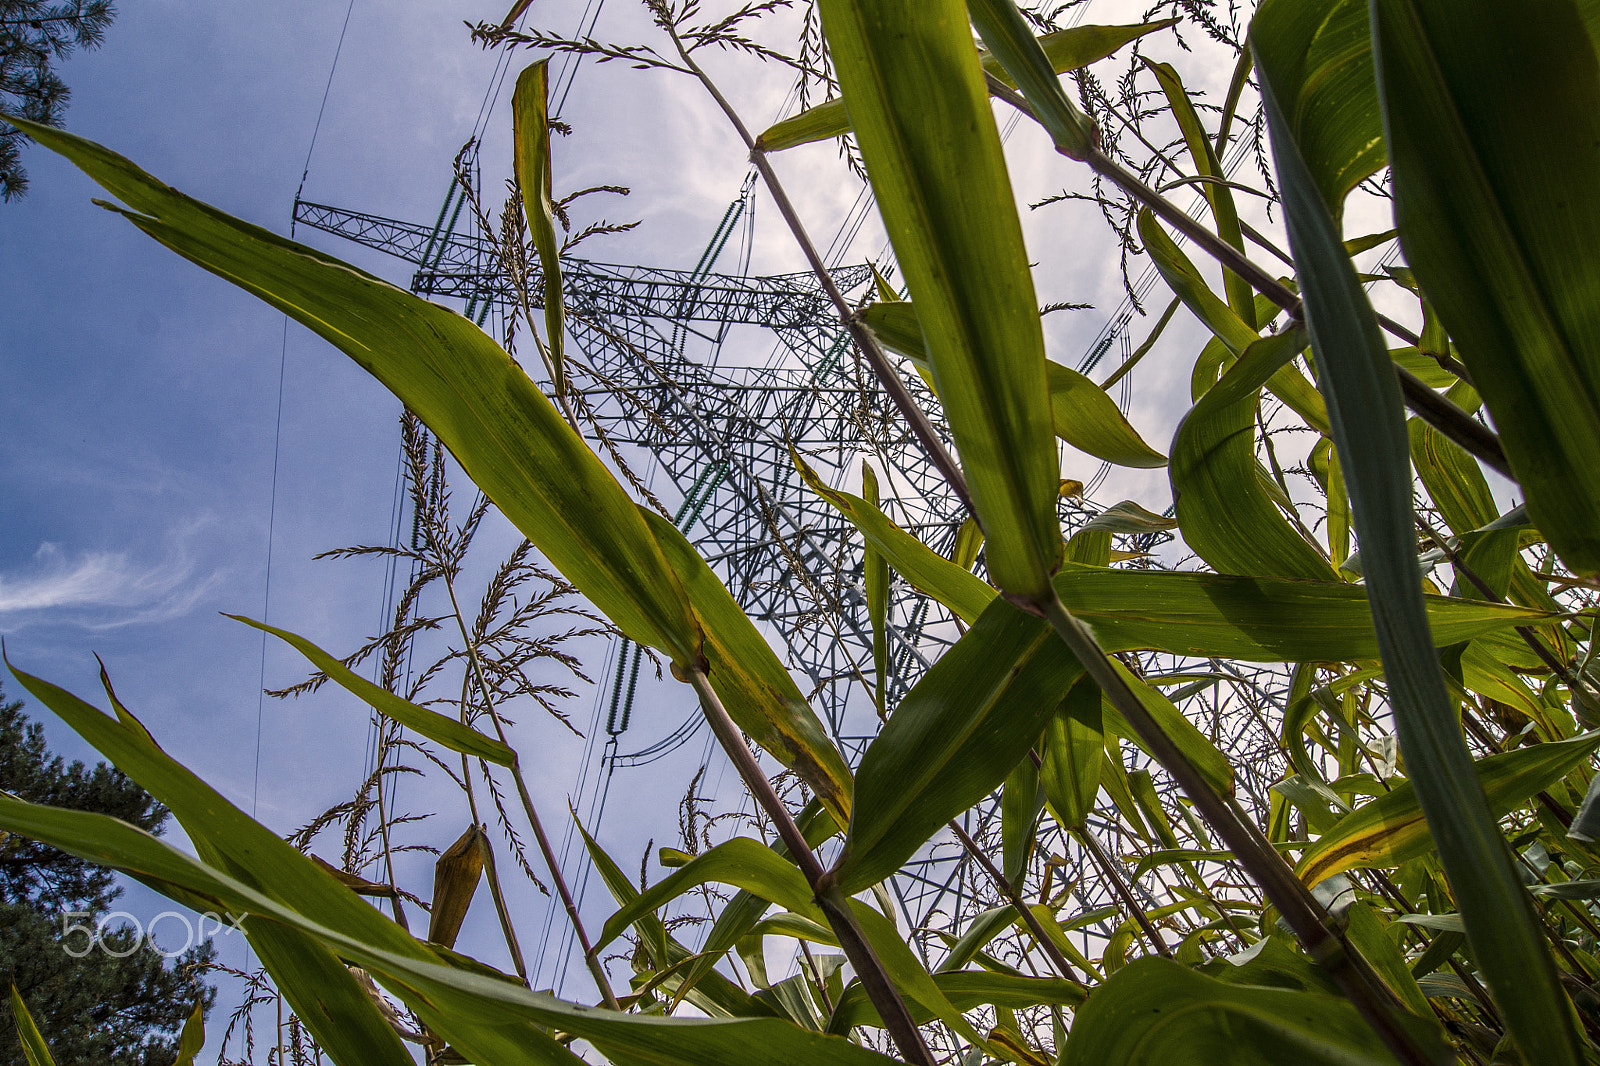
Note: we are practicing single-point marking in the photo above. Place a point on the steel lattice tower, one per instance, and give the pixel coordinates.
(721, 433)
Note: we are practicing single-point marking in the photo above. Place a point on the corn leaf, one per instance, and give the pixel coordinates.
(465, 388)
(758, 692)
(954, 738)
(1154, 1011)
(1364, 403)
(1390, 829)
(34, 1049)
(463, 1006)
(951, 584)
(909, 70)
(530, 135)
(875, 578)
(1073, 751)
(741, 862)
(193, 1038)
(1501, 247)
(1225, 514)
(1325, 87)
(431, 724)
(967, 990)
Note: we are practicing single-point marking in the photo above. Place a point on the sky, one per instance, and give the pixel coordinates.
(147, 453)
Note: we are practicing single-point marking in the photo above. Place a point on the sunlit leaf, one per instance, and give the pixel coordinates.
(530, 125)
(909, 70)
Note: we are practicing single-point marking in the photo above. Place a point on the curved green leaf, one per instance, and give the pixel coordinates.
(1258, 619)
(34, 1049)
(967, 990)
(1322, 57)
(1073, 751)
(465, 388)
(955, 586)
(1154, 1011)
(1500, 244)
(1391, 830)
(909, 72)
(431, 724)
(746, 673)
(1225, 514)
(468, 1008)
(740, 862)
(954, 738)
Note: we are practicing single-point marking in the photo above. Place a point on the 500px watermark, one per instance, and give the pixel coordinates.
(79, 938)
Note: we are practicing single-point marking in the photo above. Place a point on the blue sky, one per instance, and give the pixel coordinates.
(141, 394)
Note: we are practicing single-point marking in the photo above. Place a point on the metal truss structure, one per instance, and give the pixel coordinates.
(721, 429)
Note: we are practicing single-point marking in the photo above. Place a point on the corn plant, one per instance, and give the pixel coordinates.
(1420, 897)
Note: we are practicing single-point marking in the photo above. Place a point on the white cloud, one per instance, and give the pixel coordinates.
(101, 589)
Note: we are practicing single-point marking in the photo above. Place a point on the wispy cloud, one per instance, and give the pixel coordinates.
(101, 589)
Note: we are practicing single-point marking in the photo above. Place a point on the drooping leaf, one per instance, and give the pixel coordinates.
(431, 724)
(954, 738)
(1501, 247)
(910, 74)
(1154, 1011)
(741, 862)
(193, 1038)
(242, 855)
(875, 579)
(967, 990)
(530, 125)
(1068, 50)
(464, 387)
(1364, 403)
(468, 1008)
(1322, 57)
(1021, 802)
(746, 673)
(951, 584)
(1073, 751)
(1224, 512)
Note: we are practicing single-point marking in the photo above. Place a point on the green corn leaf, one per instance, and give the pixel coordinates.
(954, 738)
(1181, 275)
(1391, 829)
(1154, 1011)
(530, 126)
(741, 862)
(1241, 297)
(875, 578)
(1082, 413)
(746, 673)
(1074, 748)
(951, 584)
(1021, 803)
(472, 1010)
(193, 1038)
(464, 387)
(907, 973)
(1364, 402)
(34, 1049)
(1067, 50)
(431, 724)
(1212, 764)
(1322, 59)
(1365, 930)
(709, 991)
(1453, 478)
(1007, 35)
(921, 113)
(1225, 514)
(237, 850)
(1255, 619)
(1500, 245)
